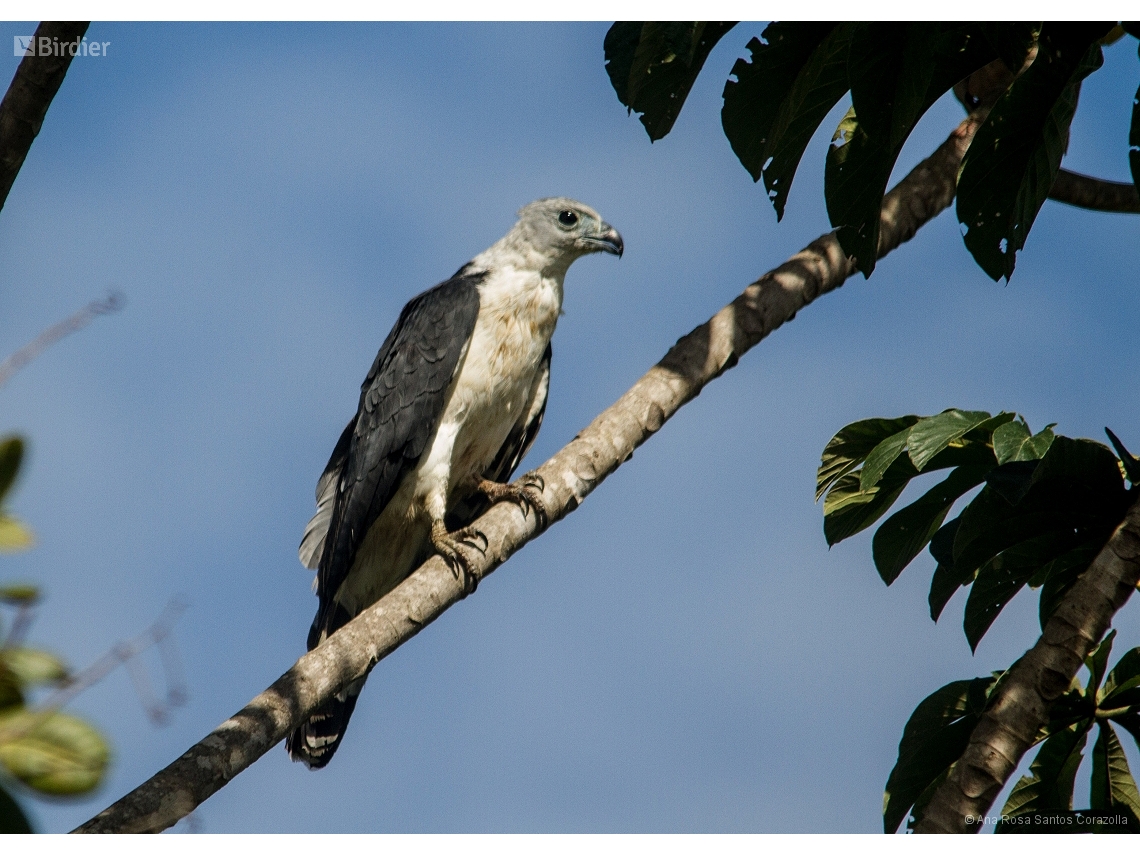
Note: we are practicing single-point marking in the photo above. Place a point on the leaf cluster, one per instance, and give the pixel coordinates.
(775, 100)
(46, 750)
(1046, 506)
(939, 729)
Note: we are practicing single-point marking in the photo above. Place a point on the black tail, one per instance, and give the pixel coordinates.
(316, 741)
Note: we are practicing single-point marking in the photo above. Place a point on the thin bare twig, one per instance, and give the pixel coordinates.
(52, 334)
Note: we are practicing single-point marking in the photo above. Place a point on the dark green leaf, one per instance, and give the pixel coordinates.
(11, 453)
(777, 101)
(907, 532)
(1131, 464)
(653, 65)
(848, 448)
(1000, 578)
(1097, 663)
(1012, 480)
(897, 71)
(1012, 41)
(1060, 574)
(1012, 441)
(12, 819)
(847, 510)
(922, 801)
(1112, 782)
(1122, 674)
(1011, 164)
(932, 435)
(934, 737)
(946, 581)
(1049, 786)
(881, 458)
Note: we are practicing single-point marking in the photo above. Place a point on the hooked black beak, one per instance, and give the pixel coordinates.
(608, 241)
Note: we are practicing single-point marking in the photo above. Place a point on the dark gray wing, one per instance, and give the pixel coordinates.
(401, 402)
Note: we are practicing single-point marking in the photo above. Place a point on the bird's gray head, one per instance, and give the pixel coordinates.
(561, 230)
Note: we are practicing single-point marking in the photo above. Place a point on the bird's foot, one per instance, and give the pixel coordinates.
(526, 492)
(448, 544)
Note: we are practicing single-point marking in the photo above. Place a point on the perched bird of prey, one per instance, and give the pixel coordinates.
(451, 405)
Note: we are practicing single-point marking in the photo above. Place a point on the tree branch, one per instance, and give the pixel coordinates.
(568, 477)
(1020, 706)
(29, 95)
(1096, 194)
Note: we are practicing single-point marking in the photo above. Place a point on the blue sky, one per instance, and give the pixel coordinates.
(683, 653)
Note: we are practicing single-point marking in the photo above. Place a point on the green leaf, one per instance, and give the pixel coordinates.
(772, 109)
(848, 448)
(1049, 786)
(934, 737)
(931, 435)
(58, 755)
(19, 595)
(1112, 782)
(1011, 164)
(1131, 464)
(908, 531)
(1000, 578)
(12, 819)
(897, 71)
(1012, 41)
(946, 579)
(32, 667)
(11, 453)
(1059, 576)
(14, 535)
(881, 458)
(1120, 678)
(653, 64)
(1013, 442)
(1097, 662)
(922, 801)
(847, 510)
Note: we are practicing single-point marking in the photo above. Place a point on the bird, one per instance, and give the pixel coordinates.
(451, 405)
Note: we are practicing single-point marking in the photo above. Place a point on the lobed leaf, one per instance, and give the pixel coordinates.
(1112, 781)
(653, 64)
(908, 531)
(1049, 785)
(1015, 156)
(934, 737)
(1013, 442)
(932, 435)
(773, 108)
(848, 448)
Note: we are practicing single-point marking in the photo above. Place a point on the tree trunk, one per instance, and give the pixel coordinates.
(1020, 707)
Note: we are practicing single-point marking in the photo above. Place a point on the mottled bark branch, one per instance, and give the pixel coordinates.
(568, 478)
(1020, 707)
(1096, 194)
(22, 111)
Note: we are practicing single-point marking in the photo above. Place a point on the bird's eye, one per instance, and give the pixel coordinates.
(567, 218)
